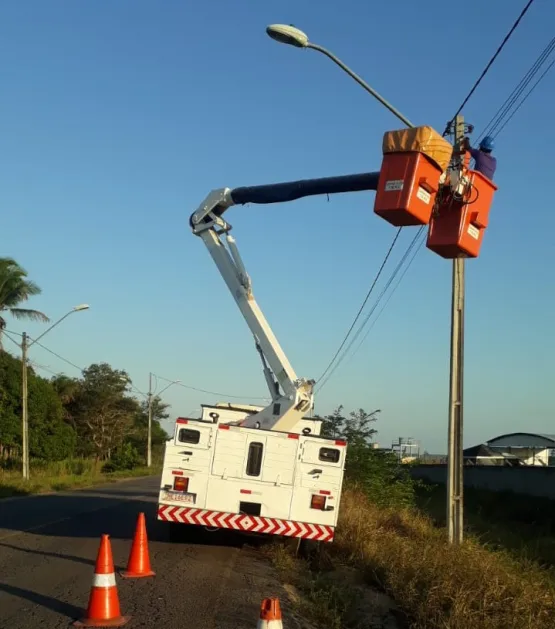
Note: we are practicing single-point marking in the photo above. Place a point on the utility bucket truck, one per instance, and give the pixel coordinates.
(264, 470)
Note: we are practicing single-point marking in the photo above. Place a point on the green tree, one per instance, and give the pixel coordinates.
(332, 425)
(378, 474)
(358, 428)
(67, 389)
(139, 434)
(50, 437)
(10, 404)
(16, 289)
(102, 412)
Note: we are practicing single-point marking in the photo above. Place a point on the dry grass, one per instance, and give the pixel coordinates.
(62, 475)
(438, 586)
(314, 598)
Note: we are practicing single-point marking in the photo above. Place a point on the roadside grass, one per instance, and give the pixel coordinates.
(319, 601)
(436, 586)
(522, 525)
(63, 475)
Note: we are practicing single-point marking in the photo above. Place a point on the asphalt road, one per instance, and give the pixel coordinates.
(48, 546)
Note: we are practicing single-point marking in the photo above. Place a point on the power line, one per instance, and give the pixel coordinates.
(238, 397)
(525, 98)
(504, 109)
(377, 302)
(185, 386)
(65, 360)
(44, 368)
(407, 267)
(490, 63)
(7, 335)
(371, 289)
(13, 332)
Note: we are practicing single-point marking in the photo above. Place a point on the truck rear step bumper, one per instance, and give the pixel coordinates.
(246, 523)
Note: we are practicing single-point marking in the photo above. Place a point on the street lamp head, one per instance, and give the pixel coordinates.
(81, 307)
(290, 35)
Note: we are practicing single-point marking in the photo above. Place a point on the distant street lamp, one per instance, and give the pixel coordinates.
(25, 345)
(292, 36)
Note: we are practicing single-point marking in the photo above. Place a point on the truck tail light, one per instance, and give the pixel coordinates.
(318, 502)
(180, 484)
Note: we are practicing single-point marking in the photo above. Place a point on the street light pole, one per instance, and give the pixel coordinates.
(25, 345)
(24, 415)
(292, 36)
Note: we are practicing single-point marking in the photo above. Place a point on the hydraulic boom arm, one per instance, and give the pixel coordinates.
(292, 397)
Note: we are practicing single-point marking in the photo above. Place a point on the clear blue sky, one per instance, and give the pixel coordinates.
(117, 118)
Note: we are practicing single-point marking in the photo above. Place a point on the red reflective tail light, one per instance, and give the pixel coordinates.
(318, 502)
(180, 483)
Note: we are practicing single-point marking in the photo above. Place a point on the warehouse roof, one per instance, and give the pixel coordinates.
(523, 440)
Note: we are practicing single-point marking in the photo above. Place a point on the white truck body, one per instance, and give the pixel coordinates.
(220, 475)
(252, 468)
(226, 412)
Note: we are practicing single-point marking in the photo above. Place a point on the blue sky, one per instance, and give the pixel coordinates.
(119, 117)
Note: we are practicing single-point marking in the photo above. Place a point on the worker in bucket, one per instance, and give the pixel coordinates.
(485, 162)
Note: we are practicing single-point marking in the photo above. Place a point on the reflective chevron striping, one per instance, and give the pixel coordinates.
(246, 523)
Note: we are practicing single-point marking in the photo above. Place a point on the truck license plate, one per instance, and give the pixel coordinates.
(179, 497)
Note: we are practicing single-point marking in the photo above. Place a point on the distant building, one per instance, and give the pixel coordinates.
(530, 448)
(484, 455)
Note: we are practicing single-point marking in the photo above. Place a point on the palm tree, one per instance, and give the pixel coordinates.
(15, 289)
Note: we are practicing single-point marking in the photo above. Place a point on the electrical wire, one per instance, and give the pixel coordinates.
(504, 109)
(133, 387)
(371, 289)
(377, 302)
(7, 335)
(65, 360)
(407, 267)
(44, 368)
(524, 99)
(191, 388)
(490, 63)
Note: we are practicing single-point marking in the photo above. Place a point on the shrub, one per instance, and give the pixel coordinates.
(124, 458)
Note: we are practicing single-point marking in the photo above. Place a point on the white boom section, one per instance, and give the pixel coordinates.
(295, 399)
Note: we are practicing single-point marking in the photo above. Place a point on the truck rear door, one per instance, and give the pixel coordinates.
(187, 464)
(252, 472)
(318, 481)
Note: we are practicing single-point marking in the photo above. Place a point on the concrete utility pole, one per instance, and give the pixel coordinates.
(455, 467)
(25, 457)
(150, 397)
(149, 437)
(24, 414)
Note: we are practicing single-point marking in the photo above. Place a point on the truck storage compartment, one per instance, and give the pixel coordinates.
(319, 478)
(186, 464)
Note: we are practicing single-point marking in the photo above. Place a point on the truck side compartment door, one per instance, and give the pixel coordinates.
(188, 459)
(229, 453)
(318, 481)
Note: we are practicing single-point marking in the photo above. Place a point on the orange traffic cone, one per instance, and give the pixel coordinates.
(270, 614)
(139, 560)
(103, 609)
